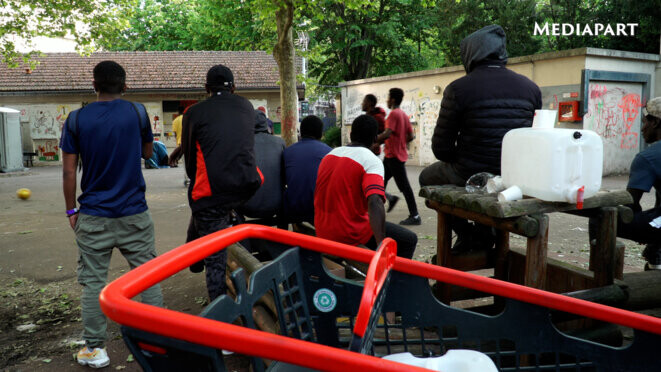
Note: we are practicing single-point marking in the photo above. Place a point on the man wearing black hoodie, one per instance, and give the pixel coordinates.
(476, 112)
(267, 201)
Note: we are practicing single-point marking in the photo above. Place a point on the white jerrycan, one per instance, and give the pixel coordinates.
(553, 164)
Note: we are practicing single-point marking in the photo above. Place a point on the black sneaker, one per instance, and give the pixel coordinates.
(411, 220)
(197, 267)
(652, 254)
(392, 201)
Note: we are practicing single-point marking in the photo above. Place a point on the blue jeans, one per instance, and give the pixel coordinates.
(205, 222)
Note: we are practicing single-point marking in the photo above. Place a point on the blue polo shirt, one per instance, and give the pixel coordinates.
(108, 140)
(301, 162)
(646, 169)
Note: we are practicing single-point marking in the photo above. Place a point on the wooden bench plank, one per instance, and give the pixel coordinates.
(488, 203)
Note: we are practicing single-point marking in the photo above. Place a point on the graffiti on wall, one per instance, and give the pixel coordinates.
(613, 113)
(630, 106)
(46, 121)
(421, 108)
(47, 149)
(155, 113)
(428, 110)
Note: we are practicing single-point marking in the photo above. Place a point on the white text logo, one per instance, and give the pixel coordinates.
(569, 29)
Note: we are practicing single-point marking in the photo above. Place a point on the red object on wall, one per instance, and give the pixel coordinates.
(568, 111)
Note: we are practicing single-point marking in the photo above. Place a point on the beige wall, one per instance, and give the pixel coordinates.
(421, 102)
(42, 116)
(558, 74)
(557, 71)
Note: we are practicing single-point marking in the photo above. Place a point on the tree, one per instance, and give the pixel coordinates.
(646, 13)
(194, 25)
(382, 37)
(607, 12)
(458, 19)
(26, 19)
(284, 52)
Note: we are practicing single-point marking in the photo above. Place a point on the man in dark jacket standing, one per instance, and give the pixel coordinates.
(476, 112)
(217, 143)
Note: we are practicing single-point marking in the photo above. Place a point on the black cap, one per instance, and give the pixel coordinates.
(220, 76)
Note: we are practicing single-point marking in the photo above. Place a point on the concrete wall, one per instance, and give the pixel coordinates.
(558, 75)
(42, 116)
(614, 107)
(421, 102)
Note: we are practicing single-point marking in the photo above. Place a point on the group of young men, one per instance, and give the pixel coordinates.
(235, 164)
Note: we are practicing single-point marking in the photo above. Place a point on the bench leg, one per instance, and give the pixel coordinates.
(604, 250)
(502, 252)
(535, 271)
(443, 252)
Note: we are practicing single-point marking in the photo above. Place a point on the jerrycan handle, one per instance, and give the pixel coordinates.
(579, 197)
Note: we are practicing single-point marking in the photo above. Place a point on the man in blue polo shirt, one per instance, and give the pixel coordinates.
(301, 165)
(109, 136)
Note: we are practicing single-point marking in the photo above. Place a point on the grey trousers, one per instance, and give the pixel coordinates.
(96, 237)
(442, 173)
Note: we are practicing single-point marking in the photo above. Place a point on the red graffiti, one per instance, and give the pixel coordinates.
(48, 150)
(598, 91)
(630, 105)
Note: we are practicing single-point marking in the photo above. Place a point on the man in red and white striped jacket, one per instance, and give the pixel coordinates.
(350, 193)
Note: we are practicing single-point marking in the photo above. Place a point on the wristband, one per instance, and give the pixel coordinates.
(71, 212)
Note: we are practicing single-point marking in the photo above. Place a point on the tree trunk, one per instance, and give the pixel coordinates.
(283, 52)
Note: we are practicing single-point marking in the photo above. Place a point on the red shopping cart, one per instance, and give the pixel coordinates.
(335, 324)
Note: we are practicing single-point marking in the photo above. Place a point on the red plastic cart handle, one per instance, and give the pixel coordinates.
(116, 302)
(381, 264)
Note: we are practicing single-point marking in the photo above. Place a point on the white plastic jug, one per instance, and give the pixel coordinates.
(562, 165)
(453, 361)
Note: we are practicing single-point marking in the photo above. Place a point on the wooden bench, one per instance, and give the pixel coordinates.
(528, 218)
(28, 158)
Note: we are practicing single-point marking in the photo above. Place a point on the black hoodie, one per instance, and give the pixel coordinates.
(218, 145)
(479, 108)
(267, 201)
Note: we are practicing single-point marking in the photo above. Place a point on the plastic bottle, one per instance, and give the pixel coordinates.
(457, 360)
(477, 183)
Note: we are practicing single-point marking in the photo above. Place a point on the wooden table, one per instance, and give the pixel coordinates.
(528, 218)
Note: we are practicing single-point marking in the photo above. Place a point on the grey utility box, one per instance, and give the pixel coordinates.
(11, 148)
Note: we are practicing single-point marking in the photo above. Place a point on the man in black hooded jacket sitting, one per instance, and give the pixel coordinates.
(476, 112)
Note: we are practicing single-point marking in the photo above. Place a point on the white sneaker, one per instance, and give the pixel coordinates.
(95, 358)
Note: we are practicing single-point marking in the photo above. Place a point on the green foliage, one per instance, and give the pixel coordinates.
(194, 25)
(646, 13)
(458, 19)
(27, 19)
(377, 38)
(333, 137)
(350, 40)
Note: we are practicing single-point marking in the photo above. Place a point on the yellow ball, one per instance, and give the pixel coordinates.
(23, 194)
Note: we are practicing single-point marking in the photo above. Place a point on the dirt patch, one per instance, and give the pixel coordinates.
(36, 321)
(38, 263)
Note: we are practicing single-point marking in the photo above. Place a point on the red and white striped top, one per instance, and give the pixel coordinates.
(346, 177)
